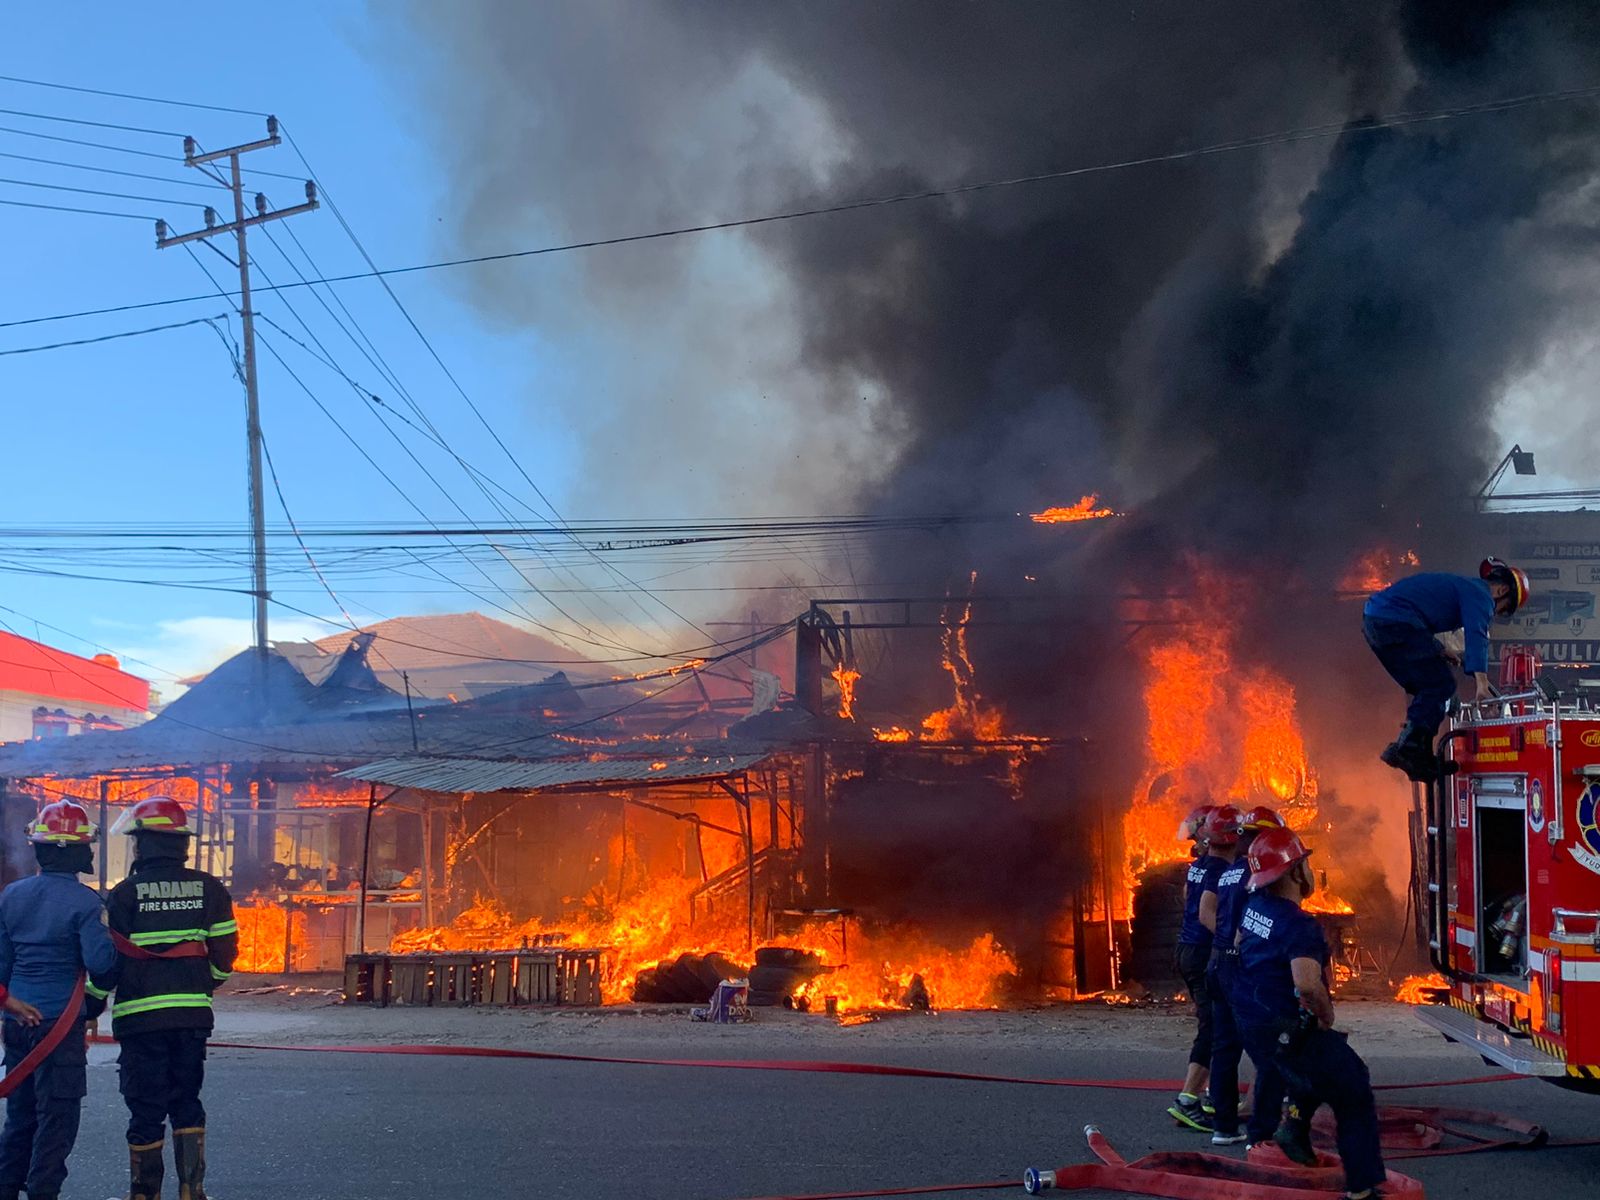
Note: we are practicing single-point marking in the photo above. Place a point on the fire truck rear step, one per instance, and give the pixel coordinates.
(1512, 1053)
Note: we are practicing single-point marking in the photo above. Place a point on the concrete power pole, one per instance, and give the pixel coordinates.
(237, 227)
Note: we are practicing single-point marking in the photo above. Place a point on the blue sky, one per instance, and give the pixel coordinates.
(151, 428)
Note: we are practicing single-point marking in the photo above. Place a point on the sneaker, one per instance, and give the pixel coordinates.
(1187, 1111)
(1295, 1142)
(1206, 1106)
(1226, 1139)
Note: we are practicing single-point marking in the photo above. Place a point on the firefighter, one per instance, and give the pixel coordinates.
(1220, 907)
(175, 930)
(1193, 957)
(1286, 1015)
(1400, 623)
(52, 931)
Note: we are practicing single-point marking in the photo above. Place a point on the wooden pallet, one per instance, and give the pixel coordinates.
(501, 978)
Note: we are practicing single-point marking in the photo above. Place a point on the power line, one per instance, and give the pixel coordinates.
(55, 137)
(93, 212)
(381, 365)
(462, 392)
(17, 112)
(67, 87)
(63, 187)
(1308, 133)
(56, 162)
(111, 337)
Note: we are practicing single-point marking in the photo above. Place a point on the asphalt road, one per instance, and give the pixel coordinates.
(314, 1126)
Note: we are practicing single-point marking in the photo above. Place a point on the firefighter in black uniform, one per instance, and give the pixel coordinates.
(177, 938)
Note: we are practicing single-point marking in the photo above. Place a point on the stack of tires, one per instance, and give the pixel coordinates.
(687, 979)
(780, 971)
(1157, 920)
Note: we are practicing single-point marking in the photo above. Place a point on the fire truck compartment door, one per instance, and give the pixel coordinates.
(1514, 1054)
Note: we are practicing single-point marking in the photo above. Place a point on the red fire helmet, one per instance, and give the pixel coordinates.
(1272, 854)
(158, 814)
(1495, 569)
(1261, 817)
(63, 823)
(1190, 828)
(1222, 826)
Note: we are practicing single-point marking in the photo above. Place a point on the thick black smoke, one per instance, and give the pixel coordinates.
(1277, 358)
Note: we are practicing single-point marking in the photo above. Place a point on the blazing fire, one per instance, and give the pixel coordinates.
(1215, 733)
(653, 928)
(1419, 989)
(1327, 904)
(882, 967)
(846, 677)
(264, 938)
(1086, 509)
(1377, 569)
(968, 718)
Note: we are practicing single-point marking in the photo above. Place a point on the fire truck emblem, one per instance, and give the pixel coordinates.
(1587, 849)
(1536, 805)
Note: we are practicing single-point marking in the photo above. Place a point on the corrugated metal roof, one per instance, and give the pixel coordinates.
(520, 775)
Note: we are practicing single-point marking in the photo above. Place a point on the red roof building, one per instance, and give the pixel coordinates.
(46, 692)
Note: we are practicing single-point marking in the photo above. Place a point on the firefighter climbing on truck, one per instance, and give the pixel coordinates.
(177, 938)
(1400, 623)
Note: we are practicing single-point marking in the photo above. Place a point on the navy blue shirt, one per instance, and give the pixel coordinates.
(1202, 878)
(1439, 603)
(51, 928)
(1232, 893)
(1273, 933)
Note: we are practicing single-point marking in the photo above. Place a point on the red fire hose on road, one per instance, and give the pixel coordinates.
(1408, 1132)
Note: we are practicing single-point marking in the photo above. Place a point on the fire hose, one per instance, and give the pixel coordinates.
(1408, 1132)
(71, 1016)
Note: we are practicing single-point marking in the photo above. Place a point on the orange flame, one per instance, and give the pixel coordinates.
(1417, 989)
(1084, 510)
(1376, 570)
(968, 717)
(1215, 733)
(1328, 904)
(847, 678)
(263, 937)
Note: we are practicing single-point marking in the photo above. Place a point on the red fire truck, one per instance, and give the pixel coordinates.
(1512, 876)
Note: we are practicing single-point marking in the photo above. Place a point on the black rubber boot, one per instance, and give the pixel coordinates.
(1412, 752)
(146, 1171)
(189, 1162)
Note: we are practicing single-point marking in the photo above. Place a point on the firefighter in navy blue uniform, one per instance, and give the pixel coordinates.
(1286, 1013)
(1194, 956)
(1228, 833)
(1400, 623)
(177, 937)
(52, 930)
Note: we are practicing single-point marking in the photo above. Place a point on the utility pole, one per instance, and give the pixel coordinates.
(240, 223)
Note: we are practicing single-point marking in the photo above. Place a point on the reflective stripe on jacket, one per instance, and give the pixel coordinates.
(162, 905)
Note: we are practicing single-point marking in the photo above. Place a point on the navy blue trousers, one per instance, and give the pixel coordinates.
(1322, 1070)
(1192, 968)
(161, 1074)
(1227, 1044)
(42, 1114)
(1412, 658)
